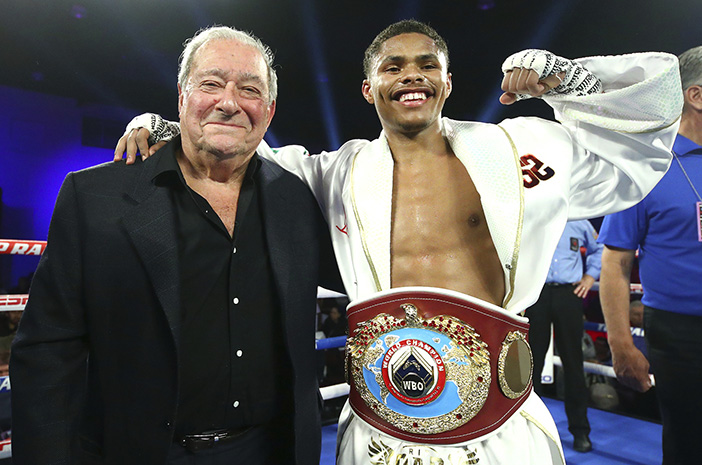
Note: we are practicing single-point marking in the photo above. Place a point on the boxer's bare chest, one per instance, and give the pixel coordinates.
(440, 236)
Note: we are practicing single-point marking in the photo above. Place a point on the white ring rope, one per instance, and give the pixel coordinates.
(334, 391)
(598, 369)
(338, 390)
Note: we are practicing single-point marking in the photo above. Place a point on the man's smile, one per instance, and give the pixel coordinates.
(412, 97)
(228, 124)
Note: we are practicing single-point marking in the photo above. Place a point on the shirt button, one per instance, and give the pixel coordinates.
(239, 353)
(236, 300)
(234, 251)
(235, 404)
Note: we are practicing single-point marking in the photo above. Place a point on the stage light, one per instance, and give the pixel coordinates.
(79, 11)
(486, 4)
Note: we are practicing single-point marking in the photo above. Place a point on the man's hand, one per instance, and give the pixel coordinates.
(583, 286)
(631, 367)
(533, 73)
(136, 141)
(523, 81)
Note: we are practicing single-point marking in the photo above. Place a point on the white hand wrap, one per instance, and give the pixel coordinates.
(159, 128)
(577, 80)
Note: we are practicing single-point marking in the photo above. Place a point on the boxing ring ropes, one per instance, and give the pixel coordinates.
(17, 302)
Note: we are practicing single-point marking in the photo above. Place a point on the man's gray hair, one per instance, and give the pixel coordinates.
(691, 67)
(193, 44)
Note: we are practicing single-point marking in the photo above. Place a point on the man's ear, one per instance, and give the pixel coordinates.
(180, 98)
(366, 91)
(449, 84)
(271, 112)
(693, 97)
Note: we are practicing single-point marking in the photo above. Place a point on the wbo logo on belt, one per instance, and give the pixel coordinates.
(423, 376)
(417, 370)
(413, 371)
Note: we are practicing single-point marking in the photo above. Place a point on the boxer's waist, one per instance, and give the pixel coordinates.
(434, 366)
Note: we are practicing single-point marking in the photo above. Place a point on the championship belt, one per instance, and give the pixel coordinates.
(435, 366)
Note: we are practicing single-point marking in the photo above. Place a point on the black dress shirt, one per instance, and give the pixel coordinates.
(232, 359)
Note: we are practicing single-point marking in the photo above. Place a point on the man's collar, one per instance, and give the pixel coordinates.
(684, 146)
(167, 169)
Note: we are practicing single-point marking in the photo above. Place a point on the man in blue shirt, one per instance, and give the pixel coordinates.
(666, 229)
(560, 304)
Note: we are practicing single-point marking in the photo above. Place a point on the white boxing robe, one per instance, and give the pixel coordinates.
(533, 175)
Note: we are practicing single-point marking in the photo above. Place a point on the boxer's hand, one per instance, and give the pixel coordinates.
(521, 83)
(136, 141)
(145, 134)
(533, 73)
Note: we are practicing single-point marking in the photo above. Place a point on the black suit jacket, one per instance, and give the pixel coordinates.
(94, 365)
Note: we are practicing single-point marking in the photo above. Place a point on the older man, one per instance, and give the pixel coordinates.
(205, 353)
(471, 212)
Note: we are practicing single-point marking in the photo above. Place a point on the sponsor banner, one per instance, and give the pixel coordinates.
(13, 302)
(635, 288)
(18, 247)
(602, 328)
(5, 449)
(4, 383)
